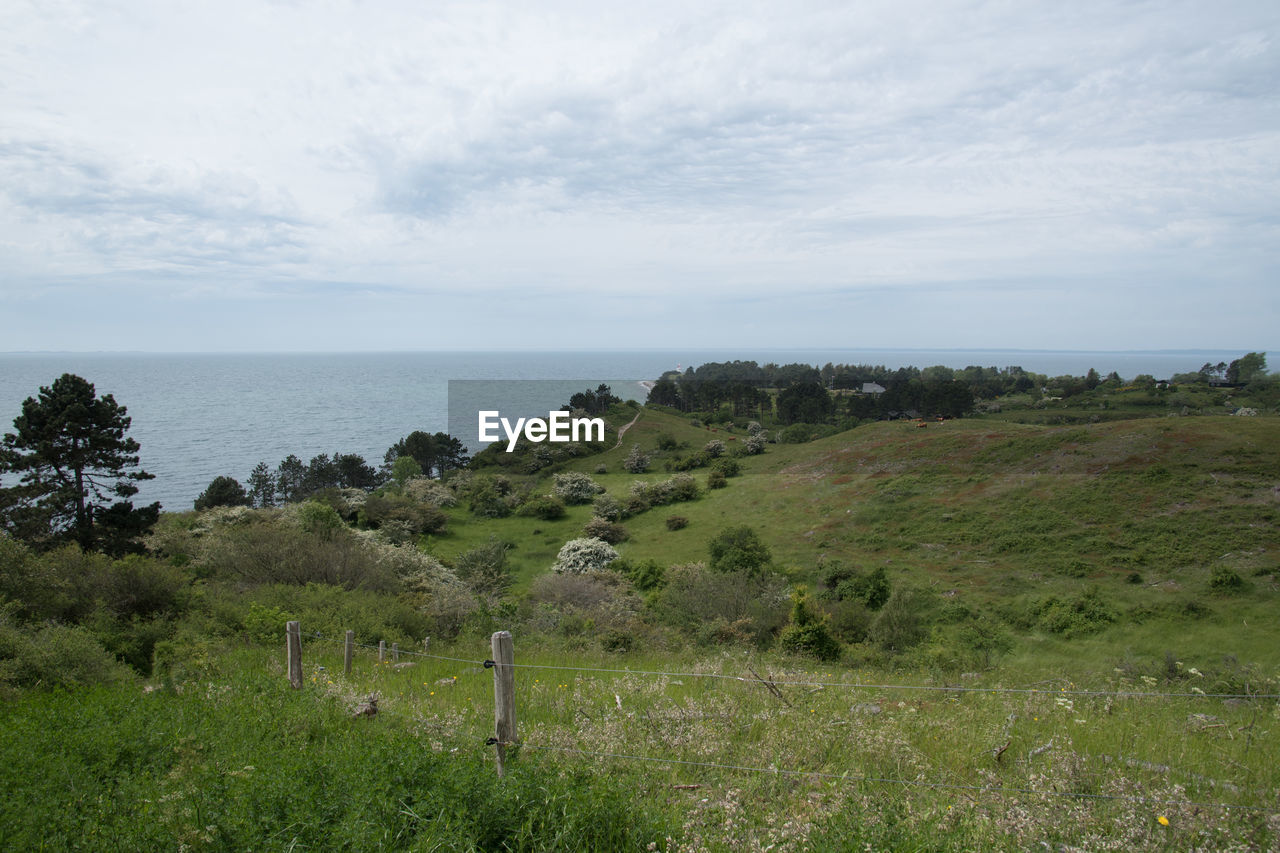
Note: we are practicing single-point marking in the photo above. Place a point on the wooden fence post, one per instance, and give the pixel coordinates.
(426, 644)
(382, 651)
(395, 653)
(349, 648)
(504, 696)
(293, 642)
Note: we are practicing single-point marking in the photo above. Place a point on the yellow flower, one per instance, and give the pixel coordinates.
(1162, 820)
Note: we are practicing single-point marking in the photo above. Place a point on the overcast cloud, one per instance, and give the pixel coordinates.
(346, 175)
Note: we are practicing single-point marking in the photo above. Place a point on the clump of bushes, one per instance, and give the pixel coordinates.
(677, 522)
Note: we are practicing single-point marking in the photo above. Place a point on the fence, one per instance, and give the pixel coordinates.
(505, 732)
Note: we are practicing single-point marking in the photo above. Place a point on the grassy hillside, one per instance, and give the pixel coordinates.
(1075, 621)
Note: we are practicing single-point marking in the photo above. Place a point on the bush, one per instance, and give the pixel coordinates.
(484, 568)
(607, 507)
(400, 516)
(901, 623)
(667, 441)
(808, 633)
(429, 491)
(545, 507)
(728, 466)
(716, 480)
(54, 656)
(637, 462)
(1225, 580)
(580, 556)
(739, 549)
(490, 497)
(751, 605)
(677, 522)
(599, 528)
(645, 576)
(714, 448)
(573, 487)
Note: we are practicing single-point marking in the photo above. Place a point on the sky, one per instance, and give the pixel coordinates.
(338, 175)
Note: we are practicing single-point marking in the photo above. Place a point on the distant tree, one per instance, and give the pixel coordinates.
(1092, 379)
(73, 459)
(355, 473)
(291, 480)
(223, 491)
(405, 469)
(262, 486)
(805, 402)
(436, 453)
(595, 402)
(1247, 368)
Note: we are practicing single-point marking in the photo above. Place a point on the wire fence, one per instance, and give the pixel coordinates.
(479, 665)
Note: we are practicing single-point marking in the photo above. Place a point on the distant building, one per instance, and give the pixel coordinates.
(872, 388)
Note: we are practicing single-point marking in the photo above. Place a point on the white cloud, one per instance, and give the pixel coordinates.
(689, 152)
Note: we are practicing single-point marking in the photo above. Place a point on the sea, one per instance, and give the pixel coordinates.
(199, 416)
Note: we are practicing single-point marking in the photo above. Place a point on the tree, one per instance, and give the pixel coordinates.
(1247, 368)
(437, 454)
(70, 450)
(223, 491)
(262, 486)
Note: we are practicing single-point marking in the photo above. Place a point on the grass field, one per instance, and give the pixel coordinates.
(1130, 567)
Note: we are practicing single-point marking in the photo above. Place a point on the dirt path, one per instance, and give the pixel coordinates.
(622, 430)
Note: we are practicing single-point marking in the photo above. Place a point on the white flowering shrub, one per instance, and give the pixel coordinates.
(637, 462)
(427, 490)
(575, 488)
(580, 556)
(754, 443)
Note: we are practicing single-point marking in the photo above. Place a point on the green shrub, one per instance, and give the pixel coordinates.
(544, 507)
(901, 622)
(1225, 580)
(677, 522)
(716, 480)
(808, 633)
(54, 656)
(739, 549)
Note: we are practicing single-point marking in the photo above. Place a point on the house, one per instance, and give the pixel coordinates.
(872, 388)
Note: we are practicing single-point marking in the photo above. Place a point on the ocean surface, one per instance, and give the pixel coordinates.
(198, 416)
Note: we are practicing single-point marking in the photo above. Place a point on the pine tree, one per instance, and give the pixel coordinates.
(73, 459)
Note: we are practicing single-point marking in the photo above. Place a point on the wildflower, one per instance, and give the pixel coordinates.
(1162, 820)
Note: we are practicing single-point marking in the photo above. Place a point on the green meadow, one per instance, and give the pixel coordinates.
(978, 633)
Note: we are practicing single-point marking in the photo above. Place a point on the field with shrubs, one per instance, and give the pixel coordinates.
(977, 634)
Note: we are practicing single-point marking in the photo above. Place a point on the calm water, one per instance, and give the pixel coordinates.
(199, 416)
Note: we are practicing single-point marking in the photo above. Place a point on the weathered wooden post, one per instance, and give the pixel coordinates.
(349, 648)
(382, 651)
(504, 696)
(395, 653)
(426, 644)
(293, 643)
